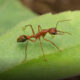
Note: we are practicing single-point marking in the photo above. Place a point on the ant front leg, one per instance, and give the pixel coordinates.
(30, 27)
(51, 43)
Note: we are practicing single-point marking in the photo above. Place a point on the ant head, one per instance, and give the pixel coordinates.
(53, 31)
(22, 38)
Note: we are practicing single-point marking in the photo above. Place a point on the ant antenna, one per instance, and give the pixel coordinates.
(61, 21)
(61, 32)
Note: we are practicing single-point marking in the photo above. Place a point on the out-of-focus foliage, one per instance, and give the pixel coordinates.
(11, 13)
(53, 6)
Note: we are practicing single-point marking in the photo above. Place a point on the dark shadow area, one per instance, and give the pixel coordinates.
(73, 78)
(53, 6)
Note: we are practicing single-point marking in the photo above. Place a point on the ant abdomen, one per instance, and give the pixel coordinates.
(22, 38)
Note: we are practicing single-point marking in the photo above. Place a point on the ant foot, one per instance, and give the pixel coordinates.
(23, 61)
(23, 28)
(60, 50)
(45, 59)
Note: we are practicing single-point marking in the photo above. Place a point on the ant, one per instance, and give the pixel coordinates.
(41, 33)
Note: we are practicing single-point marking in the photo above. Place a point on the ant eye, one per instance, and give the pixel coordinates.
(24, 37)
(54, 33)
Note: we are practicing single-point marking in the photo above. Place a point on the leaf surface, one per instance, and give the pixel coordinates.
(59, 64)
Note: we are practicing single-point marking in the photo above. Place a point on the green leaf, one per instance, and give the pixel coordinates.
(12, 12)
(59, 64)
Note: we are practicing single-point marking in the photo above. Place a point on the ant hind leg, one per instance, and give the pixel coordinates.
(39, 28)
(30, 27)
(25, 52)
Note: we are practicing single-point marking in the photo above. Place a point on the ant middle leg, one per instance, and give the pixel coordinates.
(42, 50)
(51, 43)
(39, 29)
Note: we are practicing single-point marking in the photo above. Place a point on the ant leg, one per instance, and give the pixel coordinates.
(39, 28)
(51, 43)
(30, 27)
(42, 50)
(32, 40)
(25, 52)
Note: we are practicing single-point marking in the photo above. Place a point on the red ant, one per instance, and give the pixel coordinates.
(41, 33)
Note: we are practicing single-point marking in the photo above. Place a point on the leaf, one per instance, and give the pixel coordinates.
(12, 12)
(59, 64)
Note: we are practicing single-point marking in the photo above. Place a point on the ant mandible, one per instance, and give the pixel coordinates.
(41, 33)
